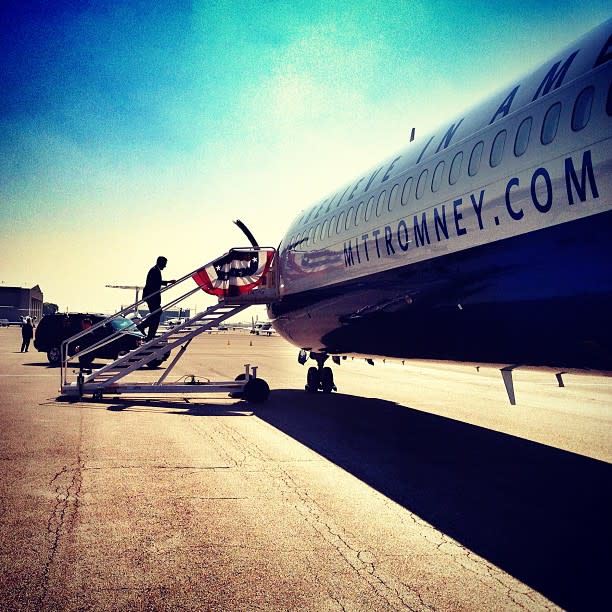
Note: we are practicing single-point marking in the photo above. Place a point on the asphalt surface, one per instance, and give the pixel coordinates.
(415, 487)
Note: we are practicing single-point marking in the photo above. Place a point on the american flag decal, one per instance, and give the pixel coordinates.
(235, 273)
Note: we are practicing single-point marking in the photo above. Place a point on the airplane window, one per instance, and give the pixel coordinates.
(349, 218)
(406, 191)
(551, 122)
(475, 158)
(582, 109)
(359, 213)
(497, 150)
(522, 136)
(323, 231)
(332, 225)
(421, 184)
(393, 197)
(455, 170)
(609, 101)
(368, 210)
(381, 203)
(340, 223)
(437, 177)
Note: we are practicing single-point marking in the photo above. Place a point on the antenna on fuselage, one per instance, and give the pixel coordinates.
(412, 133)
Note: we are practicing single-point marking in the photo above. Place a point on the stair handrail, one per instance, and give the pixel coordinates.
(64, 346)
(164, 338)
(108, 339)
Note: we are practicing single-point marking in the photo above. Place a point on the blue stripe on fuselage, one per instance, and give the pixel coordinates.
(517, 298)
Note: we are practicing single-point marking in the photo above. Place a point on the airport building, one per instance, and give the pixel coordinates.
(17, 302)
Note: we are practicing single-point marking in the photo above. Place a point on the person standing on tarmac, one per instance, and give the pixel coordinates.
(27, 331)
(151, 295)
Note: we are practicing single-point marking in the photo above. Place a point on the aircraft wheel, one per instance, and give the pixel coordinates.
(256, 390)
(327, 380)
(154, 363)
(312, 380)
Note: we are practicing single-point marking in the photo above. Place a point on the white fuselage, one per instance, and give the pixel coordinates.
(479, 200)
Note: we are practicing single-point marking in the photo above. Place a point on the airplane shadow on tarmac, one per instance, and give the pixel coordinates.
(539, 513)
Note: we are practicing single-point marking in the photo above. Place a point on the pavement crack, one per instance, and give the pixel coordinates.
(63, 516)
(362, 562)
(191, 468)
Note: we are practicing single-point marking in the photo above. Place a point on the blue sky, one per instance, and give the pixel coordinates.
(129, 130)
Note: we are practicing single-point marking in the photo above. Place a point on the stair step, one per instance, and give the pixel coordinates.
(156, 348)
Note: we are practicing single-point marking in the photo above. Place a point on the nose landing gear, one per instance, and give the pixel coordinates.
(320, 377)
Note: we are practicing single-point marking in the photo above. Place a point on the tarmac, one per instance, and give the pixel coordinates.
(416, 486)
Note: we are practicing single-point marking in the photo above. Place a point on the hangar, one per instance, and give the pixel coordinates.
(18, 302)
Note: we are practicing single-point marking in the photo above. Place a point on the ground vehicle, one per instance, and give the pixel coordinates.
(175, 321)
(53, 329)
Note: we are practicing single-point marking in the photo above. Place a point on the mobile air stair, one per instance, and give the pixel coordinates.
(240, 278)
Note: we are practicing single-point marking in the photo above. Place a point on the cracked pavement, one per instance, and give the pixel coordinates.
(301, 504)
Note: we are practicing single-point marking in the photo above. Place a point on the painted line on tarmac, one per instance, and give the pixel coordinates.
(29, 375)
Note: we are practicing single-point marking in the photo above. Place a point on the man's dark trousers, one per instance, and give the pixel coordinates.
(152, 321)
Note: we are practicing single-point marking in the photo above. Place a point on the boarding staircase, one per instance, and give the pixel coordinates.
(117, 376)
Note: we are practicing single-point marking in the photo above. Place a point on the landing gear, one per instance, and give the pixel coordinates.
(327, 380)
(320, 377)
(312, 380)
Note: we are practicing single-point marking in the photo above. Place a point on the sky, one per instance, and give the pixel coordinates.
(134, 129)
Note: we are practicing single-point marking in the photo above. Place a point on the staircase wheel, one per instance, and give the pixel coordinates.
(256, 390)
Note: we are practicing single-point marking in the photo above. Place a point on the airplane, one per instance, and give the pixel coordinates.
(261, 328)
(485, 241)
(175, 321)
